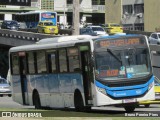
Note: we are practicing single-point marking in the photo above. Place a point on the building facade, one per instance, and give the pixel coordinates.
(141, 15)
(91, 11)
(113, 11)
(133, 14)
(129, 13)
(151, 15)
(6, 11)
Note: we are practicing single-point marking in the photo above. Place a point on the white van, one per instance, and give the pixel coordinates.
(98, 29)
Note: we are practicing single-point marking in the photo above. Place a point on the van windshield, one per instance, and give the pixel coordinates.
(2, 81)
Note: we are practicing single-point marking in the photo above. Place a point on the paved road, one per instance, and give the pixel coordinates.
(7, 102)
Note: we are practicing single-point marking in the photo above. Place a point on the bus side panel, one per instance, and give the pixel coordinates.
(31, 86)
(40, 83)
(55, 90)
(16, 89)
(56, 99)
(68, 84)
(46, 85)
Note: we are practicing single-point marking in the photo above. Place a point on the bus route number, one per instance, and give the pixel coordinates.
(119, 42)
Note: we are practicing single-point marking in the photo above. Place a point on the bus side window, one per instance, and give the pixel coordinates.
(51, 57)
(73, 58)
(63, 60)
(31, 63)
(15, 64)
(41, 62)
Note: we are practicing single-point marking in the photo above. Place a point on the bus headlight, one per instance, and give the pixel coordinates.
(150, 86)
(102, 90)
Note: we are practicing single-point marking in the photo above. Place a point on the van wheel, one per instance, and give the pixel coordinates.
(78, 101)
(36, 100)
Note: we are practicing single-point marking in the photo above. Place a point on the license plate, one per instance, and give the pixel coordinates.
(129, 100)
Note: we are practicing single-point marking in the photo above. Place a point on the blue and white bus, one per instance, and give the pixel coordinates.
(33, 17)
(83, 72)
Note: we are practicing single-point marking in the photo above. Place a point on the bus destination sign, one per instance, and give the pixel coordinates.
(119, 42)
(16, 2)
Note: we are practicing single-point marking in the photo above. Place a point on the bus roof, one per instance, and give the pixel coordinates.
(65, 39)
(54, 43)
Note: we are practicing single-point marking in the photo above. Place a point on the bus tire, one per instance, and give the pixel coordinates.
(129, 108)
(78, 101)
(9, 95)
(36, 100)
(147, 105)
(87, 108)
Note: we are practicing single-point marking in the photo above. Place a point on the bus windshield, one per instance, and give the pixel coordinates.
(122, 63)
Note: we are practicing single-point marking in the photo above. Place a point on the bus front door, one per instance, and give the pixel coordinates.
(86, 71)
(23, 79)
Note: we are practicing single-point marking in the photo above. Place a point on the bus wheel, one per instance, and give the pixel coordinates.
(147, 105)
(87, 108)
(129, 108)
(78, 101)
(36, 100)
(9, 95)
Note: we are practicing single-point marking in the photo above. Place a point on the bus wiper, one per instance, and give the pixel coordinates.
(111, 52)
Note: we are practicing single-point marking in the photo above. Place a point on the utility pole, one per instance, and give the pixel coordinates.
(75, 23)
(64, 19)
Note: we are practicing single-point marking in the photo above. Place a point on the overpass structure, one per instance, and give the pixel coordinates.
(17, 38)
(10, 38)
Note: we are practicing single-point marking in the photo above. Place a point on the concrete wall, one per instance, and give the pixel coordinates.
(59, 5)
(129, 2)
(113, 11)
(86, 5)
(151, 15)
